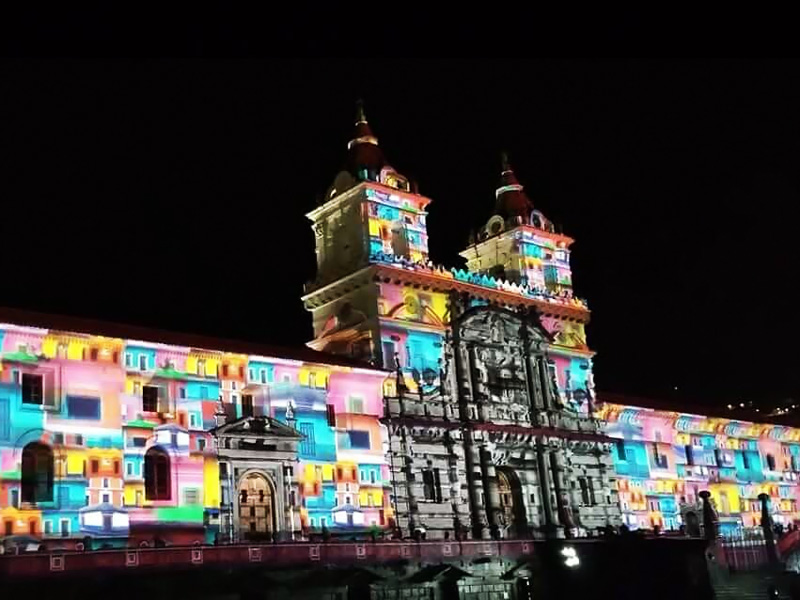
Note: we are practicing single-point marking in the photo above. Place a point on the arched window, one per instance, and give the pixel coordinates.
(157, 475)
(37, 473)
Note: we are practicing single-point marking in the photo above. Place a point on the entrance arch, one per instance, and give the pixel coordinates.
(513, 515)
(256, 507)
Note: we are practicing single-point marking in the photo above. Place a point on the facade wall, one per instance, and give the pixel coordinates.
(663, 459)
(93, 417)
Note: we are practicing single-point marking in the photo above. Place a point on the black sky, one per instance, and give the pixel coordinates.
(173, 194)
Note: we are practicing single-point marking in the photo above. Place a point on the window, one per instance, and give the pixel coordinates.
(106, 498)
(37, 473)
(128, 359)
(150, 398)
(157, 475)
(264, 376)
(372, 476)
(587, 493)
(193, 420)
(58, 439)
(95, 466)
(83, 407)
(48, 527)
(620, 446)
(247, 404)
(251, 373)
(355, 405)
(311, 522)
(353, 440)
(204, 392)
(191, 496)
(15, 498)
(770, 462)
(233, 385)
(182, 393)
(307, 445)
(201, 444)
(312, 380)
(139, 442)
(323, 521)
(331, 414)
(128, 468)
(143, 362)
(32, 389)
(201, 368)
(9, 527)
(431, 486)
(389, 361)
(105, 482)
(65, 528)
(362, 475)
(689, 455)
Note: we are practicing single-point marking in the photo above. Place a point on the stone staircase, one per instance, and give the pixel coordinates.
(747, 586)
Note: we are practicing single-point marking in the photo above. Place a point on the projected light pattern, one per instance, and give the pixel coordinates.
(664, 459)
(85, 420)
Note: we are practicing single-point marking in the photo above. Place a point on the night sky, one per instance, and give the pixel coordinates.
(173, 194)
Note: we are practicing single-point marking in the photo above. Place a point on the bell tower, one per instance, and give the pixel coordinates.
(519, 244)
(369, 215)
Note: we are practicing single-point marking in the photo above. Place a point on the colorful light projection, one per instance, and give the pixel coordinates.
(664, 459)
(81, 414)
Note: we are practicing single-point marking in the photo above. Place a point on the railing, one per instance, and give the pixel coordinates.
(270, 555)
(745, 550)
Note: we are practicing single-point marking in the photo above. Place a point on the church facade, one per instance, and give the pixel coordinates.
(436, 403)
(490, 416)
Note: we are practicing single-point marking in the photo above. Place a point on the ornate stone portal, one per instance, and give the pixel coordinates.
(492, 453)
(257, 458)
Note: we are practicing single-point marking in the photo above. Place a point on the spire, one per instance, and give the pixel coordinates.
(510, 195)
(363, 133)
(365, 158)
(361, 116)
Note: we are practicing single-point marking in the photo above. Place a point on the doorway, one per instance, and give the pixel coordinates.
(513, 515)
(256, 507)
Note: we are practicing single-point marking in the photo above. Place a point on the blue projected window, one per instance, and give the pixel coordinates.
(83, 407)
(354, 440)
(307, 446)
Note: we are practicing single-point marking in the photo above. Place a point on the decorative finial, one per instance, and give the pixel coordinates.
(361, 116)
(504, 161)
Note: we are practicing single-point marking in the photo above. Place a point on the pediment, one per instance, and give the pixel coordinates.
(257, 427)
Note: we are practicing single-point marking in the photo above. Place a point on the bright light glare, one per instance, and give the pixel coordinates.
(570, 556)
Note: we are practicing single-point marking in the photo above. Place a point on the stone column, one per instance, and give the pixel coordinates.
(490, 491)
(474, 384)
(472, 469)
(766, 526)
(561, 504)
(544, 484)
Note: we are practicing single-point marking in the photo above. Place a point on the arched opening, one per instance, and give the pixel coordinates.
(256, 507)
(512, 505)
(157, 484)
(37, 473)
